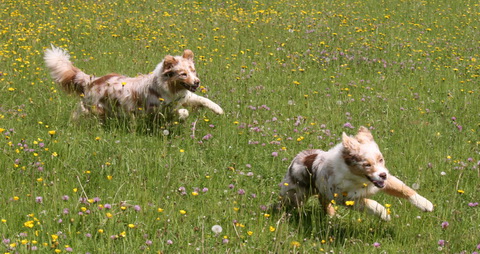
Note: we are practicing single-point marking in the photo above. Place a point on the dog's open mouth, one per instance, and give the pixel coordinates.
(378, 183)
(190, 87)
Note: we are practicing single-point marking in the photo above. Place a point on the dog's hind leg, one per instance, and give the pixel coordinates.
(397, 188)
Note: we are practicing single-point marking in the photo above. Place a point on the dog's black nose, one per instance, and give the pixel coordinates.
(383, 175)
(196, 82)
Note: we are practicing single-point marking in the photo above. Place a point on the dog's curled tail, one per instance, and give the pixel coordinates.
(70, 78)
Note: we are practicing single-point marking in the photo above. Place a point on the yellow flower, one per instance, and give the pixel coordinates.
(181, 150)
(109, 215)
(131, 225)
(349, 203)
(160, 210)
(460, 191)
(250, 233)
(54, 238)
(272, 229)
(29, 224)
(4, 221)
(109, 177)
(183, 212)
(194, 193)
(295, 244)
(123, 234)
(266, 215)
(52, 132)
(100, 231)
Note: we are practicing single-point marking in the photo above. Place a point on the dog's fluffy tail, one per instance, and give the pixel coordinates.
(70, 78)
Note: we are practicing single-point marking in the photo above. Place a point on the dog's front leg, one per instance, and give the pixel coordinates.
(372, 207)
(397, 188)
(194, 100)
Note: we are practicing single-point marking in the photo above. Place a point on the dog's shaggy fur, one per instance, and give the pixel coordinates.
(171, 86)
(348, 174)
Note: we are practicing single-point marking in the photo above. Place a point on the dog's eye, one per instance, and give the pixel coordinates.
(183, 75)
(367, 164)
(380, 160)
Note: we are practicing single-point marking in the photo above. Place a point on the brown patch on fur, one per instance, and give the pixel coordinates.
(364, 135)
(188, 54)
(68, 81)
(168, 63)
(104, 79)
(308, 161)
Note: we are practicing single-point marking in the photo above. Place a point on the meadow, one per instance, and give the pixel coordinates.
(290, 75)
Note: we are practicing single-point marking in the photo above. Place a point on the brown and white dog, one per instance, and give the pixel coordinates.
(171, 86)
(348, 174)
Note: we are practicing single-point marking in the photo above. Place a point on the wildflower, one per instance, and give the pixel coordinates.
(241, 192)
(460, 191)
(131, 225)
(473, 204)
(29, 224)
(250, 232)
(272, 229)
(217, 229)
(148, 242)
(349, 203)
(274, 154)
(295, 244)
(52, 132)
(445, 224)
(183, 212)
(441, 243)
(137, 208)
(225, 240)
(169, 242)
(348, 125)
(376, 244)
(39, 200)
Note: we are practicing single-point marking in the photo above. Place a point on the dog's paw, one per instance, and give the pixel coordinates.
(217, 109)
(421, 202)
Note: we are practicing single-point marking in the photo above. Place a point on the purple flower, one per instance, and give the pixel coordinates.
(66, 211)
(473, 205)
(376, 244)
(169, 242)
(65, 198)
(441, 243)
(207, 137)
(348, 125)
(107, 206)
(231, 186)
(225, 241)
(39, 200)
(137, 208)
(181, 189)
(274, 154)
(148, 242)
(69, 249)
(204, 189)
(445, 224)
(241, 191)
(88, 235)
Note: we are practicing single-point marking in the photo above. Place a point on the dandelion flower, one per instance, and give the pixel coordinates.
(217, 229)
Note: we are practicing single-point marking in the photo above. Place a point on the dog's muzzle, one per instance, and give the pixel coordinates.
(379, 183)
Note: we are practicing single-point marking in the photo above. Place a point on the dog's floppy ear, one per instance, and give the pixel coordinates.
(188, 54)
(349, 143)
(168, 63)
(364, 135)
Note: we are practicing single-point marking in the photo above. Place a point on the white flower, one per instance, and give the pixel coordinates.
(217, 229)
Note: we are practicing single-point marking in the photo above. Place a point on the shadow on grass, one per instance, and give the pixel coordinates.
(312, 222)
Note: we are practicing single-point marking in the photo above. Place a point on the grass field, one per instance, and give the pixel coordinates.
(290, 75)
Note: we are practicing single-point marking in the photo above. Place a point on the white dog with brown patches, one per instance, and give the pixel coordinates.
(348, 174)
(171, 86)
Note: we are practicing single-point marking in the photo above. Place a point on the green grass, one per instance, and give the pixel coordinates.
(406, 69)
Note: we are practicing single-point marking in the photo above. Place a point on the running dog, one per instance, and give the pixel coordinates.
(170, 87)
(348, 174)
